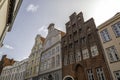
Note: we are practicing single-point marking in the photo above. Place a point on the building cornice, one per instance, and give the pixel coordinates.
(12, 14)
(114, 18)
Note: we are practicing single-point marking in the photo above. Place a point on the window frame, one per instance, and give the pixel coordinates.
(113, 28)
(111, 54)
(90, 75)
(103, 35)
(85, 54)
(115, 74)
(94, 50)
(99, 73)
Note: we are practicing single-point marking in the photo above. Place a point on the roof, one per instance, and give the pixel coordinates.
(62, 33)
(42, 39)
(12, 14)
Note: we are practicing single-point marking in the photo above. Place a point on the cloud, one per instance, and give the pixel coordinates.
(8, 47)
(32, 8)
(1, 53)
(43, 30)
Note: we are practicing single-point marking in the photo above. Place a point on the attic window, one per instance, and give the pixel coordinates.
(79, 18)
(88, 29)
(68, 25)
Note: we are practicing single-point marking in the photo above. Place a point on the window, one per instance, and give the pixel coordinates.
(78, 56)
(100, 74)
(45, 66)
(57, 49)
(79, 18)
(70, 36)
(57, 60)
(65, 60)
(76, 43)
(56, 76)
(75, 33)
(105, 36)
(48, 64)
(85, 53)
(53, 51)
(83, 40)
(116, 29)
(70, 45)
(71, 57)
(88, 29)
(112, 54)
(80, 31)
(90, 75)
(53, 61)
(90, 38)
(117, 75)
(94, 50)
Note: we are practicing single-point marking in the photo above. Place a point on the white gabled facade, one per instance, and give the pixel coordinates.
(51, 61)
(15, 72)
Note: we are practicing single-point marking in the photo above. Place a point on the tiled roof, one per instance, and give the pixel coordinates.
(62, 33)
(42, 39)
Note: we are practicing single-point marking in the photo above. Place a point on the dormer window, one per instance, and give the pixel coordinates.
(79, 18)
(88, 29)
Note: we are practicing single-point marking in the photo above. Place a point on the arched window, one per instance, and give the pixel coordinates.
(68, 78)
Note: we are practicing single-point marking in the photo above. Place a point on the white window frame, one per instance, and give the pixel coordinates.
(105, 35)
(85, 54)
(116, 29)
(94, 50)
(112, 54)
(71, 58)
(65, 60)
(58, 60)
(117, 75)
(78, 56)
(90, 74)
(100, 74)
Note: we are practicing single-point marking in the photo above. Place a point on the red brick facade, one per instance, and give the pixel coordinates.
(5, 62)
(81, 36)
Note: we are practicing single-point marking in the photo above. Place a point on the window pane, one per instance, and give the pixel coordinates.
(100, 74)
(112, 54)
(116, 28)
(85, 53)
(94, 50)
(117, 75)
(90, 75)
(105, 36)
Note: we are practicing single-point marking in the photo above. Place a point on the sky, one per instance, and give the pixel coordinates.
(34, 17)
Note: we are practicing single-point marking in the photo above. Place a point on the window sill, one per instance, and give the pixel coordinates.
(107, 41)
(114, 62)
(117, 36)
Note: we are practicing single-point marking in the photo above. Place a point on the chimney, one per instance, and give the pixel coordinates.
(51, 27)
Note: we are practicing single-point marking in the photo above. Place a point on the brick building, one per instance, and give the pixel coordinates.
(83, 57)
(5, 62)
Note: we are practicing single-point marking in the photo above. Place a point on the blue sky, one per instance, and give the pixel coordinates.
(35, 15)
